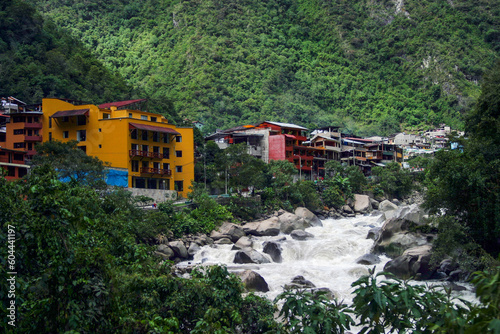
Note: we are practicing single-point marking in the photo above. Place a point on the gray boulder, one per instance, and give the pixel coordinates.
(231, 231)
(179, 249)
(243, 242)
(301, 235)
(374, 203)
(414, 263)
(193, 248)
(368, 259)
(310, 218)
(289, 222)
(250, 256)
(223, 241)
(274, 250)
(299, 282)
(347, 209)
(165, 252)
(373, 233)
(253, 281)
(362, 203)
(386, 206)
(269, 227)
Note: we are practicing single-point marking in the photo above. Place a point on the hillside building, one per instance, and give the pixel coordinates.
(142, 148)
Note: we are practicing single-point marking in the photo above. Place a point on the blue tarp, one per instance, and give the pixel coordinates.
(117, 177)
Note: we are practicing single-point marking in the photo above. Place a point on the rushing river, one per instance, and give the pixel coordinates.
(327, 260)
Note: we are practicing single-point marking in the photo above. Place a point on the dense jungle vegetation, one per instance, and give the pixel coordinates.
(371, 66)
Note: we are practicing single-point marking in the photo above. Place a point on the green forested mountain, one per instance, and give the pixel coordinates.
(38, 60)
(369, 65)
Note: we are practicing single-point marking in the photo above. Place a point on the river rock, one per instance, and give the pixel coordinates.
(274, 250)
(223, 241)
(301, 235)
(250, 256)
(165, 252)
(386, 206)
(362, 203)
(368, 259)
(252, 281)
(269, 227)
(289, 222)
(374, 203)
(243, 242)
(299, 282)
(193, 248)
(231, 231)
(310, 218)
(179, 249)
(373, 233)
(347, 209)
(414, 263)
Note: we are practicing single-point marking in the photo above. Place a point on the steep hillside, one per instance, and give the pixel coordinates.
(38, 60)
(369, 65)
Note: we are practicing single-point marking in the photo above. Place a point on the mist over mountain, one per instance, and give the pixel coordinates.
(370, 66)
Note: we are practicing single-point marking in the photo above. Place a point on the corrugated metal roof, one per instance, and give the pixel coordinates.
(287, 125)
(119, 104)
(153, 128)
(66, 113)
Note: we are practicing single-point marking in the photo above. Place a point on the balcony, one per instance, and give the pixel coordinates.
(35, 126)
(33, 138)
(157, 171)
(145, 154)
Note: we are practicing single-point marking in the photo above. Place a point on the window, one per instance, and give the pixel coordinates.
(30, 146)
(133, 134)
(135, 165)
(50, 136)
(35, 119)
(139, 182)
(18, 119)
(152, 184)
(100, 130)
(18, 157)
(178, 154)
(166, 166)
(19, 132)
(145, 148)
(22, 172)
(65, 119)
(18, 145)
(135, 147)
(129, 115)
(156, 137)
(166, 139)
(156, 149)
(81, 120)
(153, 119)
(179, 185)
(12, 171)
(144, 117)
(178, 139)
(144, 135)
(65, 134)
(156, 165)
(105, 115)
(100, 146)
(166, 153)
(145, 164)
(81, 135)
(178, 169)
(83, 148)
(50, 122)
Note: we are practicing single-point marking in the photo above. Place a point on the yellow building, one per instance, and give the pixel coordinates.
(153, 153)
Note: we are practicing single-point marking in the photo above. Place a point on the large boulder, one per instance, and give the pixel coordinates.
(414, 263)
(253, 281)
(310, 218)
(362, 203)
(368, 259)
(299, 282)
(193, 248)
(231, 231)
(386, 206)
(179, 249)
(223, 241)
(243, 242)
(250, 256)
(274, 250)
(165, 252)
(301, 235)
(289, 222)
(269, 227)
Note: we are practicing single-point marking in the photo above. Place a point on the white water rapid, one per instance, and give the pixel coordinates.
(328, 260)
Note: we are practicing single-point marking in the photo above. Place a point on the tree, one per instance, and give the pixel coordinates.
(71, 163)
(393, 180)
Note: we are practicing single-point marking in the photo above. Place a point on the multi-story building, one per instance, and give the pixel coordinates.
(13, 163)
(141, 147)
(23, 127)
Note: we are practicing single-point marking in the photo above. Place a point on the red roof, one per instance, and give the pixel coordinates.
(153, 128)
(119, 104)
(65, 113)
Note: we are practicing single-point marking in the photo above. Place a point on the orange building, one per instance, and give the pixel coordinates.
(142, 146)
(12, 163)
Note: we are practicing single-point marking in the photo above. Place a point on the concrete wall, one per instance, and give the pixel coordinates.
(158, 195)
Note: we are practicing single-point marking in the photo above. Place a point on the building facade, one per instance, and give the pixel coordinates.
(138, 145)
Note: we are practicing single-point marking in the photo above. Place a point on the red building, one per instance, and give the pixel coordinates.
(12, 163)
